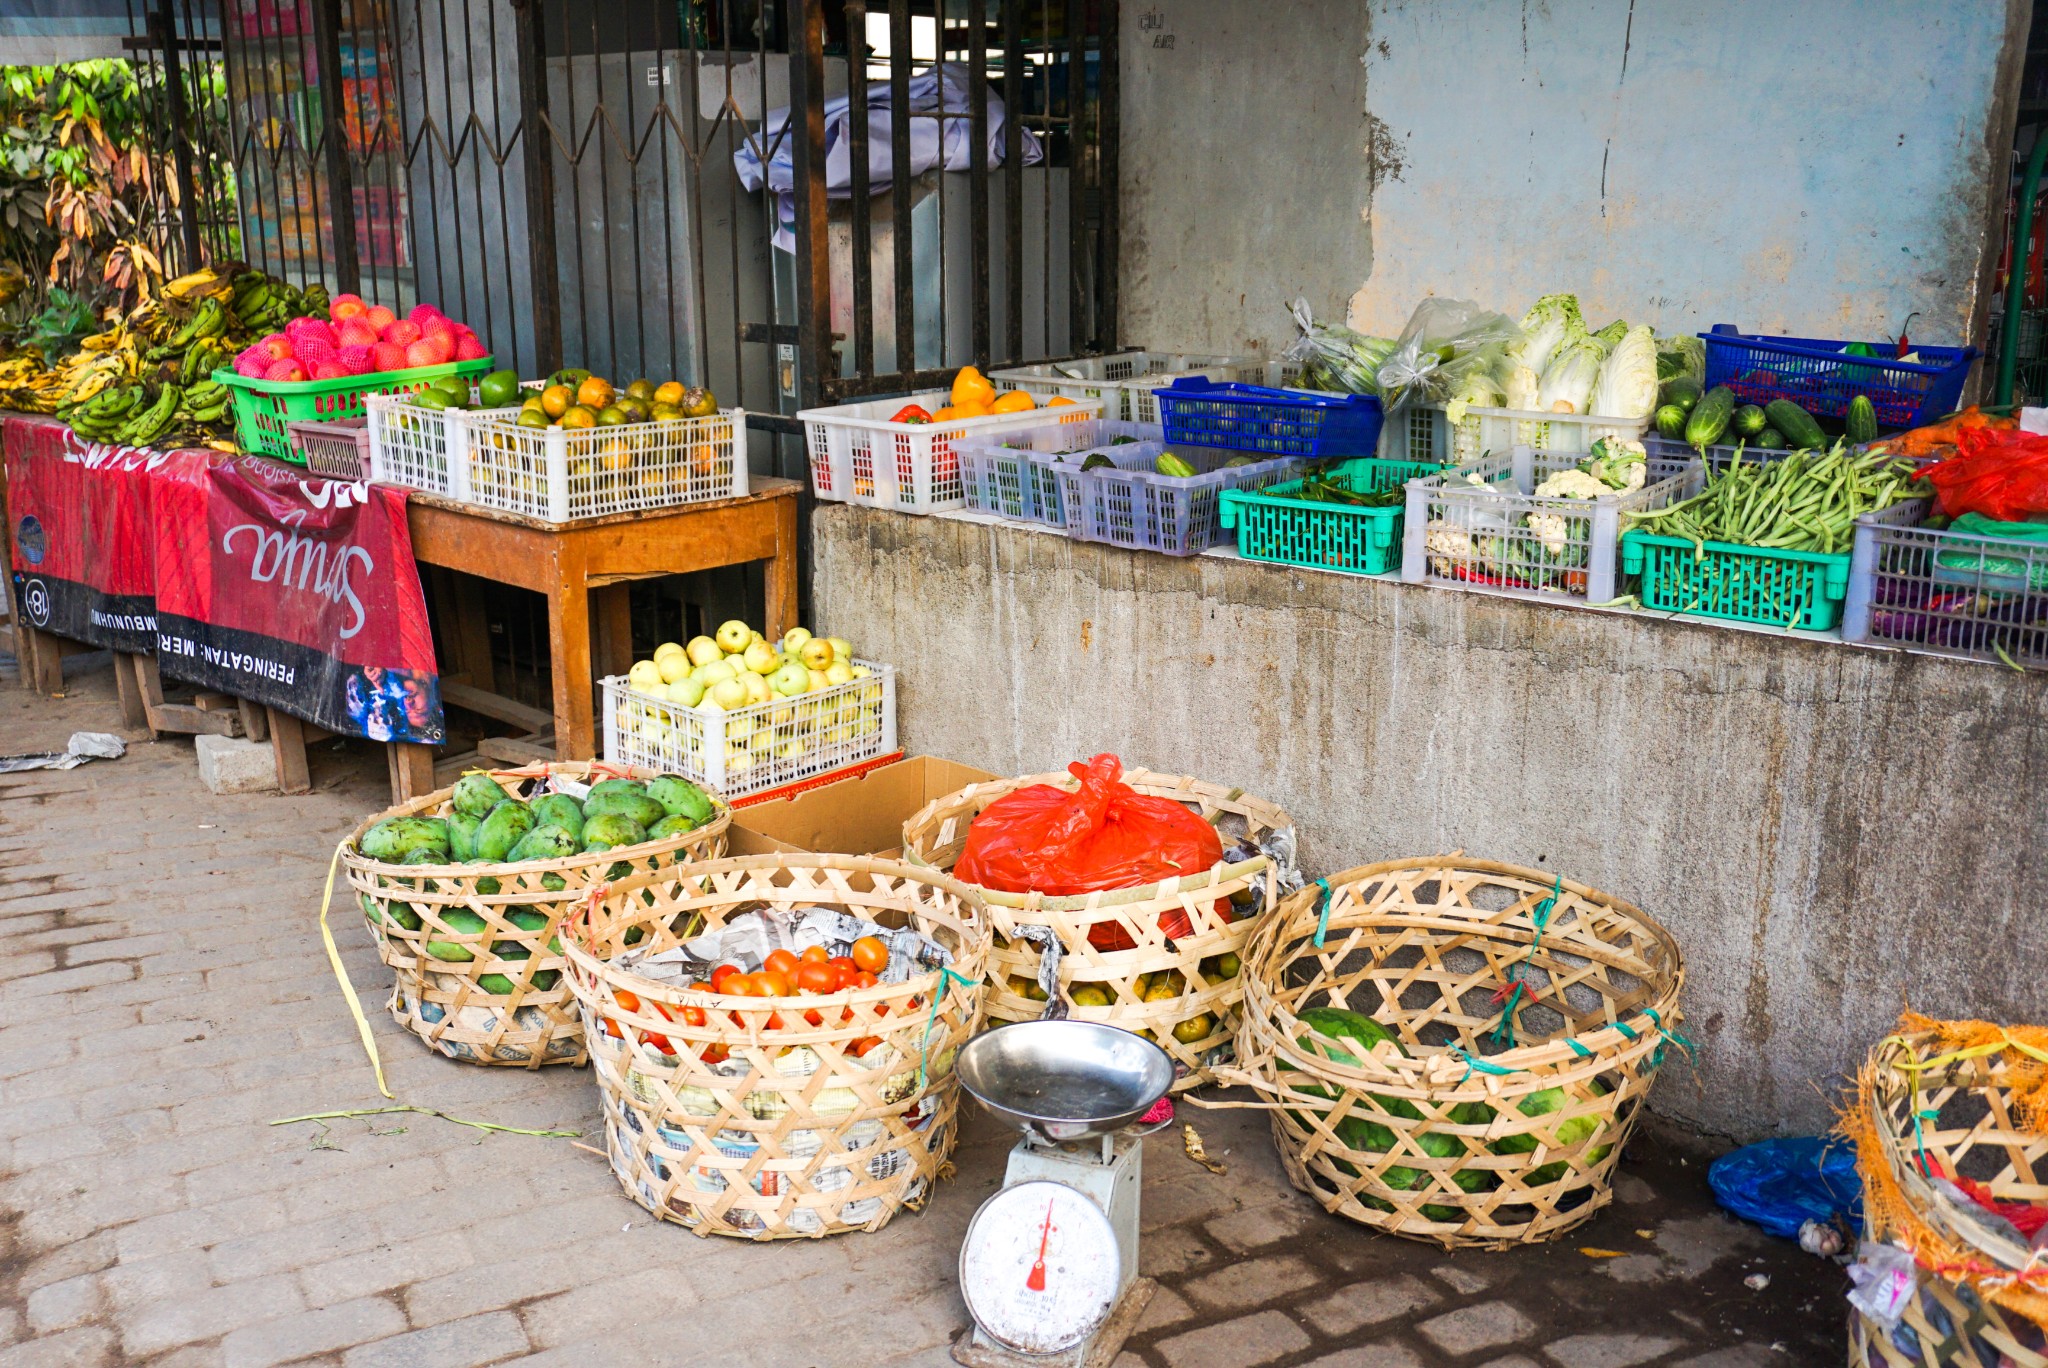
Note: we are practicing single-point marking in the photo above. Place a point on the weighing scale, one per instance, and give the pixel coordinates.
(1049, 1268)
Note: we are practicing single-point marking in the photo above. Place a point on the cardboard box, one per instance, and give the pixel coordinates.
(859, 816)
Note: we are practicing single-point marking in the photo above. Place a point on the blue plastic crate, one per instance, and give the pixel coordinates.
(1223, 413)
(1821, 378)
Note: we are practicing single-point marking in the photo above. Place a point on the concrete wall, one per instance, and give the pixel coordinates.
(1821, 168)
(1830, 832)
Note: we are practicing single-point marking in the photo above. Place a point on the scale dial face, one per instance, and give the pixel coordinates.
(1039, 1270)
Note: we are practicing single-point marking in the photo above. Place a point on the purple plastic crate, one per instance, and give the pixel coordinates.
(1015, 474)
(1151, 512)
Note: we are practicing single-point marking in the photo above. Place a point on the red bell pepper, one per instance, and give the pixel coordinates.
(911, 413)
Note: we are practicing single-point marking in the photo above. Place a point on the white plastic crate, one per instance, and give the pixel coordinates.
(1480, 525)
(762, 746)
(482, 456)
(1942, 592)
(1125, 380)
(1014, 474)
(858, 456)
(1496, 431)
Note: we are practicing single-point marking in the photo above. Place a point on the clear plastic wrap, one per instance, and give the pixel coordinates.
(1333, 357)
(1446, 340)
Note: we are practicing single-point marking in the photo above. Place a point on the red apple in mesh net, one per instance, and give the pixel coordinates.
(329, 370)
(357, 360)
(285, 370)
(379, 317)
(388, 356)
(401, 331)
(422, 353)
(420, 313)
(469, 349)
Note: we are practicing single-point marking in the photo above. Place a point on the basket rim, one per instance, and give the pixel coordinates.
(1220, 872)
(234, 379)
(574, 950)
(1427, 1070)
(721, 818)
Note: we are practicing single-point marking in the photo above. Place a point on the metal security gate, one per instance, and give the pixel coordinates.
(561, 175)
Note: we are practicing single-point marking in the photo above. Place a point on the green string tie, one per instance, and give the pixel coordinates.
(947, 978)
(1474, 1062)
(1504, 1033)
(1920, 1139)
(1578, 1049)
(1323, 912)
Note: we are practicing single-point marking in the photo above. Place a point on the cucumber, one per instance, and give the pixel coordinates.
(1684, 392)
(1859, 425)
(1749, 420)
(1172, 465)
(1709, 417)
(1796, 423)
(1770, 439)
(1671, 421)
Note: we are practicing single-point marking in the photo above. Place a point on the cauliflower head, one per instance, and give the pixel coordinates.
(1572, 484)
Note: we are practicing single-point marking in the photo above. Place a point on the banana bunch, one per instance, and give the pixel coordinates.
(207, 323)
(264, 304)
(205, 281)
(139, 414)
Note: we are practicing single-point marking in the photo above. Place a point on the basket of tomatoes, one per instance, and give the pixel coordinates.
(773, 1037)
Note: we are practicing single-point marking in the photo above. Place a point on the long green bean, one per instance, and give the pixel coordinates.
(1807, 501)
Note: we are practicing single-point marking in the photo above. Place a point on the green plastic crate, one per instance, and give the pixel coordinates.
(1786, 589)
(1276, 524)
(263, 407)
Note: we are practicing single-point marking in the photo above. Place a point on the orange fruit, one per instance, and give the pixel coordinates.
(555, 400)
(947, 413)
(970, 410)
(577, 416)
(595, 393)
(669, 392)
(1059, 401)
(971, 387)
(1013, 401)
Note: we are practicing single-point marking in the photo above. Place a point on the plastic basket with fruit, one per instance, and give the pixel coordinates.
(323, 369)
(741, 714)
(564, 448)
(899, 453)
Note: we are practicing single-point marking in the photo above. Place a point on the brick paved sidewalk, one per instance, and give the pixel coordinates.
(163, 995)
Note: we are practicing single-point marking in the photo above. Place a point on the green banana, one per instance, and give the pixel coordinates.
(145, 429)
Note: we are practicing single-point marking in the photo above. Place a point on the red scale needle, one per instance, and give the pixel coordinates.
(1036, 1282)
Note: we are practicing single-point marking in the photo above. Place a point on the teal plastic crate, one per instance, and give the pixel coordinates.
(1277, 525)
(263, 407)
(1788, 589)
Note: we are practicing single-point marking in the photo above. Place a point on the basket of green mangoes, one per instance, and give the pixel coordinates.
(464, 891)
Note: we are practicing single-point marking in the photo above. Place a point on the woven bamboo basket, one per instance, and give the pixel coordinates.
(1186, 976)
(745, 1116)
(1954, 1100)
(444, 1002)
(1453, 1138)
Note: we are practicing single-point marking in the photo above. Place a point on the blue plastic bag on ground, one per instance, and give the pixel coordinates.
(1782, 1184)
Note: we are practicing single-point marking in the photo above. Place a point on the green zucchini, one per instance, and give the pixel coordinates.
(1770, 439)
(1172, 465)
(1749, 420)
(1671, 421)
(1709, 417)
(1796, 423)
(1859, 425)
(1683, 391)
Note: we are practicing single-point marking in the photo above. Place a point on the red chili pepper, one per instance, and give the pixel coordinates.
(1904, 345)
(911, 413)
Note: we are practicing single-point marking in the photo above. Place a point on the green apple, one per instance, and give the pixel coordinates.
(793, 640)
(686, 691)
(673, 666)
(717, 672)
(817, 680)
(729, 693)
(842, 648)
(733, 635)
(816, 654)
(756, 687)
(759, 658)
(861, 672)
(702, 650)
(644, 676)
(839, 672)
(790, 680)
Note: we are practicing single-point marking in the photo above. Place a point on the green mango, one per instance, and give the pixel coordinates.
(501, 985)
(677, 825)
(681, 798)
(504, 828)
(477, 794)
(608, 786)
(394, 838)
(462, 836)
(558, 810)
(527, 918)
(543, 843)
(553, 882)
(610, 830)
(461, 921)
(425, 855)
(487, 884)
(396, 914)
(644, 811)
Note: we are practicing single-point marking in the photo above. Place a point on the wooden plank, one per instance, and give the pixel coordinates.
(470, 631)
(412, 770)
(206, 701)
(132, 712)
(183, 717)
(288, 741)
(612, 609)
(569, 650)
(43, 664)
(780, 574)
(762, 489)
(514, 750)
(497, 706)
(255, 719)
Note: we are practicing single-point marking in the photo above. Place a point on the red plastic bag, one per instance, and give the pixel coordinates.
(1106, 835)
(2000, 473)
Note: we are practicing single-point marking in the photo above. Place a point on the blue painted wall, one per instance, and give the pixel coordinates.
(1818, 166)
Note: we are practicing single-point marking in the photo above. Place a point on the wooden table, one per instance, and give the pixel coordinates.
(584, 569)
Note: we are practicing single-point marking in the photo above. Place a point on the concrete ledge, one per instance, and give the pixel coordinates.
(229, 764)
(1830, 831)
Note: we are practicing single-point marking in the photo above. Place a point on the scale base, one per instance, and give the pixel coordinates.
(976, 1350)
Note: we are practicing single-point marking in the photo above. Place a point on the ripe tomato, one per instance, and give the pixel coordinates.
(843, 962)
(659, 1042)
(844, 976)
(629, 1001)
(772, 983)
(865, 979)
(693, 1016)
(816, 977)
(781, 961)
(714, 1054)
(817, 954)
(723, 975)
(864, 1044)
(813, 1018)
(870, 954)
(741, 985)
(611, 1028)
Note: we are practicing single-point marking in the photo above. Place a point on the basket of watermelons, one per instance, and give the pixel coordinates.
(465, 889)
(1455, 1050)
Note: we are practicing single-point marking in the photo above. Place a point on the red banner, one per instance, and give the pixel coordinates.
(241, 574)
